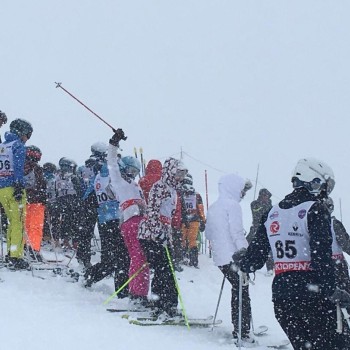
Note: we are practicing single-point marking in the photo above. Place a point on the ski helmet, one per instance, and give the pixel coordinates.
(99, 150)
(33, 153)
(21, 127)
(3, 117)
(49, 167)
(67, 165)
(315, 175)
(130, 166)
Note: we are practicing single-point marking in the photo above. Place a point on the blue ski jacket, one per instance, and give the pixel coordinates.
(19, 153)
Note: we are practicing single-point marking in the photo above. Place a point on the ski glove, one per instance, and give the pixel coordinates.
(340, 296)
(237, 258)
(202, 226)
(18, 191)
(118, 135)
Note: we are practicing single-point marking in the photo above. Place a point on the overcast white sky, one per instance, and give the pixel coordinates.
(232, 84)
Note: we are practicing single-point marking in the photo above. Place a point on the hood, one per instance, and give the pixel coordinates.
(169, 171)
(10, 136)
(230, 187)
(154, 168)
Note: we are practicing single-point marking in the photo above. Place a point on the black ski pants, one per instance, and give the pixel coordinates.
(309, 324)
(114, 257)
(233, 277)
(163, 284)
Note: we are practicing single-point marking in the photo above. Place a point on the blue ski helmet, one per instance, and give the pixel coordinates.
(130, 166)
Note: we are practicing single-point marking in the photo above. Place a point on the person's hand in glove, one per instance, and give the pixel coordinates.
(118, 135)
(237, 258)
(18, 191)
(340, 296)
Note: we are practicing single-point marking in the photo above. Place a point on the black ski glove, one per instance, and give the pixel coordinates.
(118, 135)
(18, 191)
(237, 258)
(340, 296)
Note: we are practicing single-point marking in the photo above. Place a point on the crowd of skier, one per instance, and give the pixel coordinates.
(150, 218)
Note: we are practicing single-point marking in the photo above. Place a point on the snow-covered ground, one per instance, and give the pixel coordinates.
(51, 313)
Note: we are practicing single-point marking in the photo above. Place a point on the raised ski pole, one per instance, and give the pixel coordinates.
(177, 287)
(125, 284)
(256, 180)
(59, 85)
(142, 161)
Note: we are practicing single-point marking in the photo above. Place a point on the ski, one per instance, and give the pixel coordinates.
(128, 310)
(278, 345)
(152, 321)
(260, 330)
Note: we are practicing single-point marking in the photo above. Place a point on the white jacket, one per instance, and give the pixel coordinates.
(224, 227)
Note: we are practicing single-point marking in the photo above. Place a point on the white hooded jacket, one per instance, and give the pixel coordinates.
(224, 227)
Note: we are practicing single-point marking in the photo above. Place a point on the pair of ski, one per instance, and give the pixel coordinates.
(147, 320)
(143, 318)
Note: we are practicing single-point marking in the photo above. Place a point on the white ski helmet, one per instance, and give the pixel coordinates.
(99, 148)
(313, 174)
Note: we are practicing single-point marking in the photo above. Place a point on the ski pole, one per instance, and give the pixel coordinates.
(207, 204)
(51, 235)
(59, 85)
(177, 287)
(339, 319)
(256, 180)
(218, 303)
(125, 284)
(240, 297)
(346, 315)
(142, 161)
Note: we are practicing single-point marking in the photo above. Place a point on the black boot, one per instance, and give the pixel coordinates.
(194, 257)
(18, 264)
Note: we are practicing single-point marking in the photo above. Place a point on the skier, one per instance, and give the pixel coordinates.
(132, 205)
(35, 186)
(258, 207)
(69, 202)
(340, 245)
(3, 218)
(224, 230)
(52, 213)
(298, 231)
(155, 236)
(89, 204)
(152, 174)
(114, 254)
(193, 219)
(3, 120)
(178, 251)
(12, 194)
